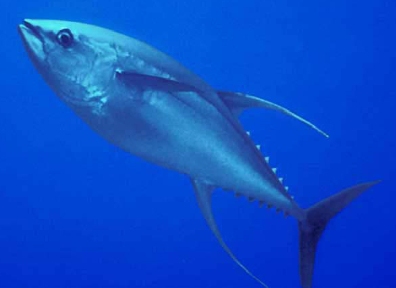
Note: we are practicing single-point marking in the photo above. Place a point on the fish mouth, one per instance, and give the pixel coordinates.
(33, 40)
(27, 28)
(24, 27)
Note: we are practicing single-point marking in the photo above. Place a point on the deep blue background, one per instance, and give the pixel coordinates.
(78, 212)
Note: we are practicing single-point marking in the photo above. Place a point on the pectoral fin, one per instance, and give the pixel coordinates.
(203, 192)
(148, 81)
(238, 102)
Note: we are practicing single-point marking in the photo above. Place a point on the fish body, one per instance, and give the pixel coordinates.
(149, 105)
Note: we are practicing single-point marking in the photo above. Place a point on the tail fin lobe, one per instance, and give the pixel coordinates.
(315, 223)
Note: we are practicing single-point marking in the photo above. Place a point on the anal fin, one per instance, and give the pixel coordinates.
(203, 192)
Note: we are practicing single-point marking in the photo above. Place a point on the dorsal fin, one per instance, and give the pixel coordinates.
(238, 102)
(203, 192)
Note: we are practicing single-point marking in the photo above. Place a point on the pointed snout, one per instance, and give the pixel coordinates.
(28, 27)
(33, 40)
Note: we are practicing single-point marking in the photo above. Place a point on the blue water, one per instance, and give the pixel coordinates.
(78, 212)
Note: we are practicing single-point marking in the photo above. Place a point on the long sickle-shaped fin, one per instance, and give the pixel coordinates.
(203, 192)
(238, 102)
(154, 82)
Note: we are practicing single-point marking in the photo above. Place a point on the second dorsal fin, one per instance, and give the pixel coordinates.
(238, 102)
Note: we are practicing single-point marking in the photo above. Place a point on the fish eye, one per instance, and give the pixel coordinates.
(65, 38)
